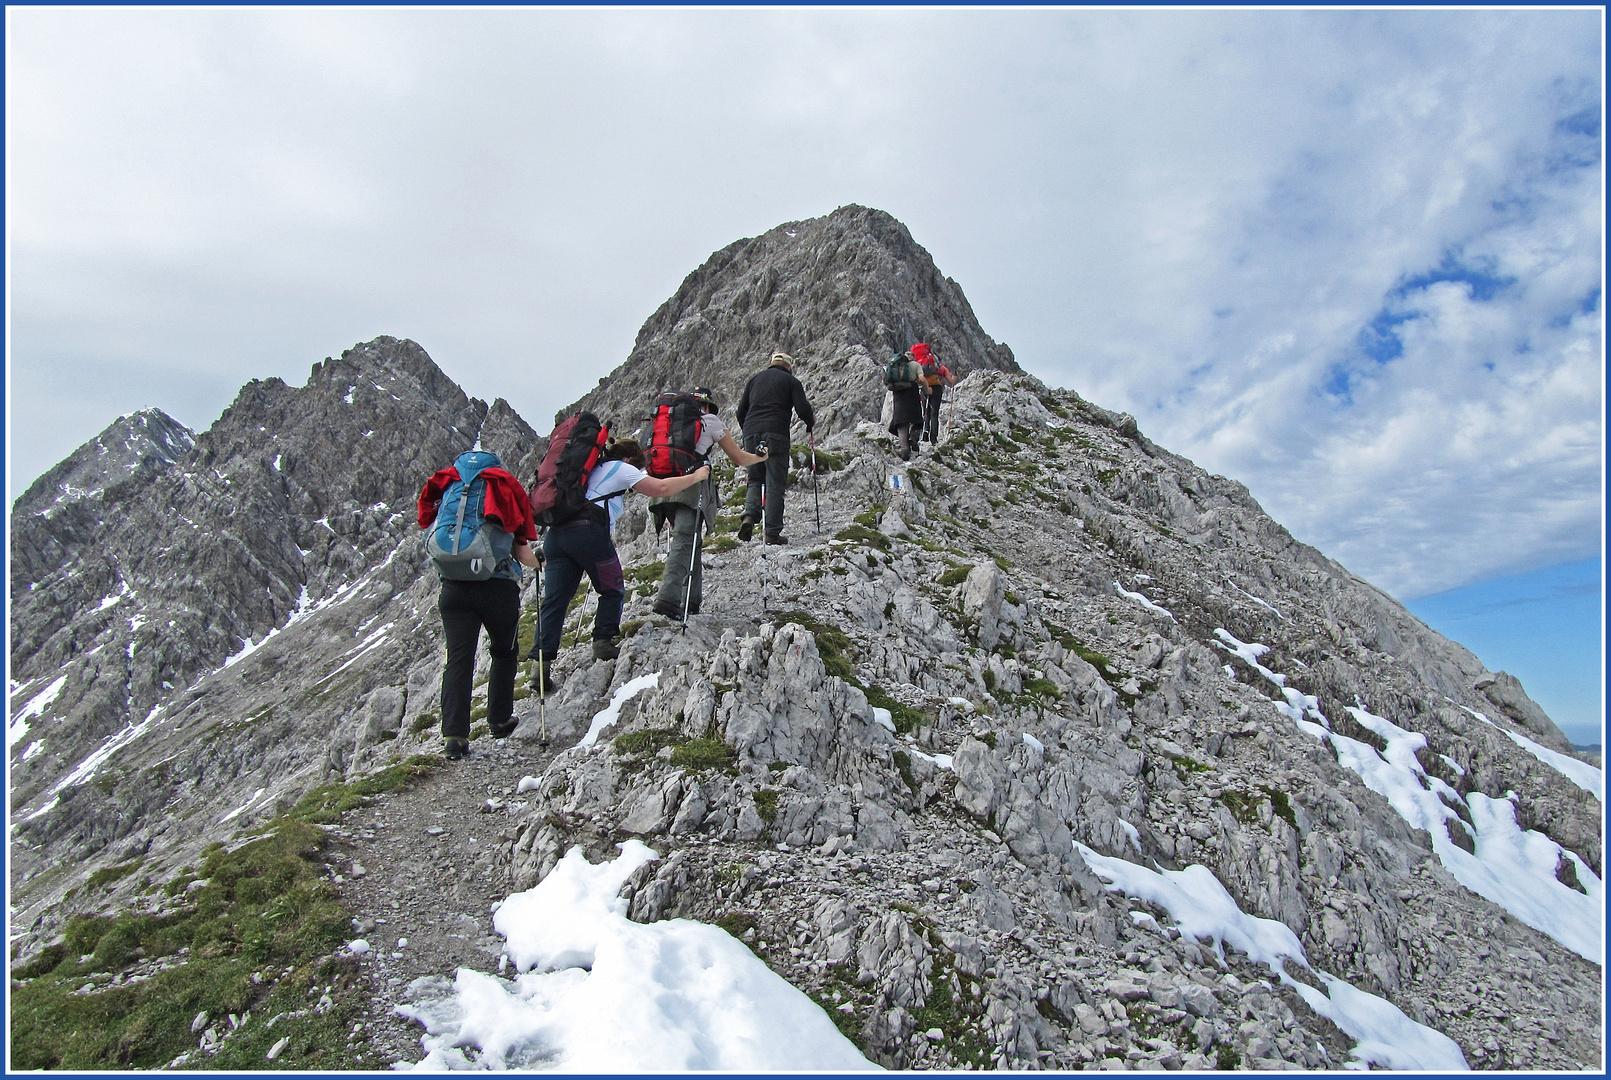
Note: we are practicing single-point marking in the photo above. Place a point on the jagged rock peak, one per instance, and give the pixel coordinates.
(138, 445)
(840, 293)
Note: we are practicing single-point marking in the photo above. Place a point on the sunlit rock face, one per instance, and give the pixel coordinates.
(882, 750)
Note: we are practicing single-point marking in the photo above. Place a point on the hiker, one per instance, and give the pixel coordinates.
(903, 376)
(690, 509)
(764, 412)
(495, 511)
(936, 377)
(582, 545)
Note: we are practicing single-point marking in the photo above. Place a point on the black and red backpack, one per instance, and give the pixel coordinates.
(678, 420)
(559, 493)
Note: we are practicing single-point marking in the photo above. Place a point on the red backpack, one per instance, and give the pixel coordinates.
(560, 492)
(677, 424)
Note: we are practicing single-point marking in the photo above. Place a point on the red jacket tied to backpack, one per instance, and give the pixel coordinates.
(505, 501)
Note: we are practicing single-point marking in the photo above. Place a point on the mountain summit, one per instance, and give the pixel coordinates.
(1049, 750)
(841, 294)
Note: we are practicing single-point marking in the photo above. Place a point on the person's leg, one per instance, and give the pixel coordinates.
(674, 582)
(934, 417)
(756, 475)
(698, 560)
(777, 478)
(462, 626)
(604, 570)
(500, 613)
(562, 575)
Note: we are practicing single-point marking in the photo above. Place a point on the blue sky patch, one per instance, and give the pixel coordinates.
(1583, 122)
(1481, 278)
(1379, 340)
(1338, 383)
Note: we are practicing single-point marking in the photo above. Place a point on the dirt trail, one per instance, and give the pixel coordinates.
(424, 865)
(434, 854)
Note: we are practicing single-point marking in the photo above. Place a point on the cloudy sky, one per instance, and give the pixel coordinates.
(1351, 258)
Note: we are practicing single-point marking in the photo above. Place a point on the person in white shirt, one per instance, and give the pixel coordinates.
(583, 546)
(683, 511)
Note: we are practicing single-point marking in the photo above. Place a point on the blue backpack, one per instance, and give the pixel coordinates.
(463, 544)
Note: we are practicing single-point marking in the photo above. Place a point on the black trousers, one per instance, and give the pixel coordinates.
(931, 422)
(467, 607)
(770, 476)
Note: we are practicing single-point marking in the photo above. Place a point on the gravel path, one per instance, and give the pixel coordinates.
(424, 865)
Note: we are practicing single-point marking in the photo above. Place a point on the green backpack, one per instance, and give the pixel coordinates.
(901, 373)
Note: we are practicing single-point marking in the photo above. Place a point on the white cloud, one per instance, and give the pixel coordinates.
(1191, 215)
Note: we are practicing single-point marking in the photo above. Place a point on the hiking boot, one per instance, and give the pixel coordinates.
(607, 648)
(502, 731)
(455, 749)
(776, 538)
(669, 610)
(546, 683)
(746, 529)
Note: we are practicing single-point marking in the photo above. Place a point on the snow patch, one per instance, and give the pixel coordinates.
(115, 597)
(689, 995)
(1581, 773)
(243, 807)
(1132, 832)
(1511, 867)
(1256, 600)
(34, 708)
(1202, 908)
(607, 716)
(1142, 600)
(86, 768)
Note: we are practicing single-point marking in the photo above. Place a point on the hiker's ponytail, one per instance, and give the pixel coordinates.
(626, 450)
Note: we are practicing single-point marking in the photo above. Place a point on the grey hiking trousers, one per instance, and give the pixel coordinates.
(687, 547)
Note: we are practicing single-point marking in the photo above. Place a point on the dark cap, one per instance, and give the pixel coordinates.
(707, 395)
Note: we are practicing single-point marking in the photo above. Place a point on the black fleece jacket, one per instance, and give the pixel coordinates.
(768, 399)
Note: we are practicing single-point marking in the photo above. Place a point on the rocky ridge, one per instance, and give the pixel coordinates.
(1052, 606)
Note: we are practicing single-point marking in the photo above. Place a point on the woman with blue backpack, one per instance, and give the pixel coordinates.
(481, 530)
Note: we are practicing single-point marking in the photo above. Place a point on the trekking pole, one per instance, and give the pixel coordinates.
(764, 609)
(542, 673)
(693, 556)
(816, 499)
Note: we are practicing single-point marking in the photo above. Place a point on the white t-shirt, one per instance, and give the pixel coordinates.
(711, 429)
(613, 476)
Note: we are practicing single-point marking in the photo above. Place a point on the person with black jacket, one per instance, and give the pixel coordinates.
(765, 412)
